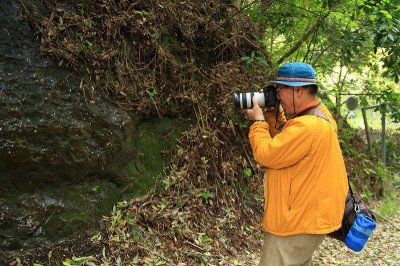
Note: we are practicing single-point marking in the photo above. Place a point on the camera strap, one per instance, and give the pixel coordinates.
(310, 111)
(282, 124)
(314, 111)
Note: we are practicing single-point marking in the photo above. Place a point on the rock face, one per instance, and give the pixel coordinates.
(50, 132)
(61, 150)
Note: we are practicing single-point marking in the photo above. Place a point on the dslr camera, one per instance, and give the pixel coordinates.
(267, 98)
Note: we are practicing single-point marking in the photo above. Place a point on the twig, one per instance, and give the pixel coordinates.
(195, 246)
(387, 220)
(240, 10)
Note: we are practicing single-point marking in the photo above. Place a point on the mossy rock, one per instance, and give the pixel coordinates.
(155, 143)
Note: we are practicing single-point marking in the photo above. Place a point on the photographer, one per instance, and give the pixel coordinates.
(305, 183)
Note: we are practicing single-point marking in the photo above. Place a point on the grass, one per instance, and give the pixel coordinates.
(356, 120)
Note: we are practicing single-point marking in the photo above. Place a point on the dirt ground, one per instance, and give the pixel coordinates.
(383, 248)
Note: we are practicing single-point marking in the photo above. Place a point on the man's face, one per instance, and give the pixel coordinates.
(285, 95)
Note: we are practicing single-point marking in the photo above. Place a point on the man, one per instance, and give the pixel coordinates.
(305, 184)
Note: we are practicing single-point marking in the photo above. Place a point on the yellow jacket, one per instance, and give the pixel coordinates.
(305, 184)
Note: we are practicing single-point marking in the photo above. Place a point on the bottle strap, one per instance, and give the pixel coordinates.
(355, 203)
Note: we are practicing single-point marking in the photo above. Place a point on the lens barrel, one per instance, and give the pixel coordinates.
(244, 100)
(267, 98)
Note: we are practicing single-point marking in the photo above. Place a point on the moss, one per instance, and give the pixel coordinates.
(155, 142)
(79, 209)
(75, 221)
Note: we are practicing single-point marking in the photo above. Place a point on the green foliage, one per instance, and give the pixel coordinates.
(203, 238)
(256, 58)
(206, 195)
(81, 261)
(393, 151)
(96, 238)
(49, 255)
(373, 178)
(379, 179)
(392, 106)
(152, 92)
(346, 135)
(329, 31)
(384, 26)
(123, 227)
(390, 206)
(85, 41)
(352, 44)
(247, 172)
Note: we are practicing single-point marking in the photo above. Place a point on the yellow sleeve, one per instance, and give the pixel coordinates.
(279, 152)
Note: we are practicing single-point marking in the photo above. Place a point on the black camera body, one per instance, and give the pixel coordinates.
(267, 98)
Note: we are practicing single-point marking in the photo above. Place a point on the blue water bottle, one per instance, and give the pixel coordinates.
(359, 232)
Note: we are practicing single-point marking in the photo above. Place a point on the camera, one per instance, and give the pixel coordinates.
(267, 98)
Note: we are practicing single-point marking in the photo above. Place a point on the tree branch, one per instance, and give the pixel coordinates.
(303, 39)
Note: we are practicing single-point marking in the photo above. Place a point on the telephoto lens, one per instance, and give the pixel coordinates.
(244, 100)
(266, 98)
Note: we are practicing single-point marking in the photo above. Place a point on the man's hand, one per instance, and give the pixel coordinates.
(256, 113)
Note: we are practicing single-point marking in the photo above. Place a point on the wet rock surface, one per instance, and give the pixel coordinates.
(53, 213)
(50, 131)
(61, 147)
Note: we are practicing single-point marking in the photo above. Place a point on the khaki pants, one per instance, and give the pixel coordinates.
(289, 250)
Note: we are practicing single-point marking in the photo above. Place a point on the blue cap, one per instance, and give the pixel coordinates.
(296, 74)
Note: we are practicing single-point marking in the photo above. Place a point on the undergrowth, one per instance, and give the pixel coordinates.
(163, 58)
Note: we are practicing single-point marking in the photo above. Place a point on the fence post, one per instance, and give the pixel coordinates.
(383, 134)
(366, 127)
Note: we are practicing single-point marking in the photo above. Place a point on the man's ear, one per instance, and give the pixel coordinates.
(299, 91)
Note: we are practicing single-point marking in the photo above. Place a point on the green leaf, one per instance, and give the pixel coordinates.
(247, 172)
(387, 15)
(205, 195)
